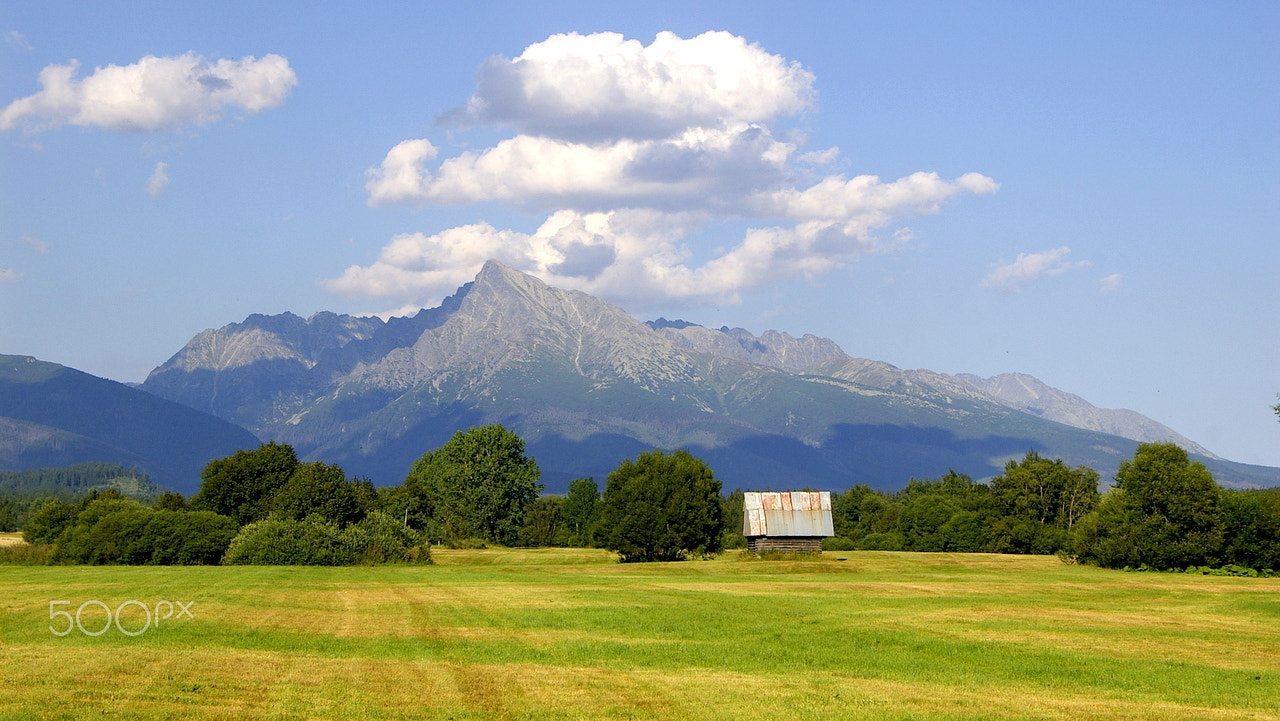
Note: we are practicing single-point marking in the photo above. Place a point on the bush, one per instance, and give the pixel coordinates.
(142, 536)
(24, 554)
(380, 538)
(278, 541)
(881, 542)
(313, 541)
(467, 544)
(838, 543)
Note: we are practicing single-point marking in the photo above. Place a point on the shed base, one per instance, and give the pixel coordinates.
(788, 544)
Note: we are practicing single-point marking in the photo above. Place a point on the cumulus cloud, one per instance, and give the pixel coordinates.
(1111, 283)
(158, 181)
(9, 275)
(604, 86)
(1030, 267)
(632, 152)
(155, 93)
(700, 167)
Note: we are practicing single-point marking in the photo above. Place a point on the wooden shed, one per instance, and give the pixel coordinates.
(786, 521)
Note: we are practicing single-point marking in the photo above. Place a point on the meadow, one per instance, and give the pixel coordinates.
(572, 634)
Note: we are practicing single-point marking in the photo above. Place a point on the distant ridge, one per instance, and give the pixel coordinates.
(586, 385)
(51, 415)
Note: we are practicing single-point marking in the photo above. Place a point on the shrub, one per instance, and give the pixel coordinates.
(838, 543)
(24, 554)
(379, 538)
(278, 541)
(313, 541)
(142, 536)
(881, 542)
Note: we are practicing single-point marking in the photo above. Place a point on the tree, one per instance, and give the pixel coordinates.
(544, 523)
(243, 485)
(477, 485)
(1251, 528)
(581, 511)
(1167, 513)
(320, 489)
(1038, 501)
(662, 508)
(949, 514)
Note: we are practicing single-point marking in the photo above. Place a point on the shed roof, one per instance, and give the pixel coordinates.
(787, 513)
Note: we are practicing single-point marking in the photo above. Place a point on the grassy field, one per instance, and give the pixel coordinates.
(570, 634)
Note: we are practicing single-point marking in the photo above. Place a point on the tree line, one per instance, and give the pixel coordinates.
(265, 506)
(23, 493)
(1163, 512)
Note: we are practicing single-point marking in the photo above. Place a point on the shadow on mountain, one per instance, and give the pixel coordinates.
(881, 456)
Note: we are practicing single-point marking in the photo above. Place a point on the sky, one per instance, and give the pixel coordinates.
(1086, 192)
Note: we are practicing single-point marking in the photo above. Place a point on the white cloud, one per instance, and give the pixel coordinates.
(158, 181)
(632, 152)
(9, 275)
(155, 93)
(700, 167)
(603, 86)
(1030, 267)
(1111, 283)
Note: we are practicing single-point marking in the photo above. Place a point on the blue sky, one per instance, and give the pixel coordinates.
(1085, 192)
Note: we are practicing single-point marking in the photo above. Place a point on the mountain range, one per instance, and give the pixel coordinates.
(587, 385)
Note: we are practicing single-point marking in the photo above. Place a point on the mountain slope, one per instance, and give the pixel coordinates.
(1024, 392)
(1019, 391)
(587, 385)
(51, 415)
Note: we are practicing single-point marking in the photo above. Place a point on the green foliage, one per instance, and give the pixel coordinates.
(948, 514)
(243, 485)
(171, 501)
(381, 538)
(321, 490)
(544, 523)
(1163, 512)
(121, 531)
(49, 522)
(277, 541)
(314, 541)
(24, 554)
(24, 493)
(80, 478)
(1038, 500)
(478, 484)
(838, 543)
(662, 508)
(860, 512)
(581, 512)
(1251, 528)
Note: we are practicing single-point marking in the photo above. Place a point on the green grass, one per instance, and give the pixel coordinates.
(570, 634)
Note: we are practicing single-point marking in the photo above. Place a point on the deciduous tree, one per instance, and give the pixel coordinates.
(662, 508)
(477, 485)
